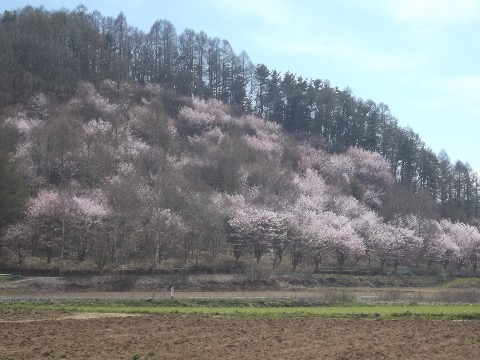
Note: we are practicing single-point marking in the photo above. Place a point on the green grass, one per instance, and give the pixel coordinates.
(9, 277)
(248, 309)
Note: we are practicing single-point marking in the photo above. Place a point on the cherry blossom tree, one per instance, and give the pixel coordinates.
(194, 122)
(467, 239)
(207, 141)
(90, 103)
(341, 238)
(394, 243)
(206, 113)
(264, 230)
(346, 206)
(303, 231)
(52, 212)
(326, 233)
(163, 230)
(20, 131)
(314, 193)
(443, 249)
(272, 227)
(299, 245)
(317, 237)
(339, 167)
(366, 226)
(309, 158)
(90, 215)
(372, 176)
(63, 219)
(263, 137)
(18, 128)
(371, 167)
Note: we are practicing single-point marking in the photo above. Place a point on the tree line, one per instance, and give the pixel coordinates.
(52, 51)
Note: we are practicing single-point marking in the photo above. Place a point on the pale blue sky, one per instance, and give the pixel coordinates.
(420, 57)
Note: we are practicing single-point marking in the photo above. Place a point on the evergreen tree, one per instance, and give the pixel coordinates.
(13, 190)
(261, 76)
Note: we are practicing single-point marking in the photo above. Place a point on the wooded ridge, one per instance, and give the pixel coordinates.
(140, 148)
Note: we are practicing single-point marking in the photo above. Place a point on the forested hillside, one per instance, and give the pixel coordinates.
(139, 148)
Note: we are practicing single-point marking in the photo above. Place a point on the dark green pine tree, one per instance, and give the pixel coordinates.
(261, 76)
(13, 190)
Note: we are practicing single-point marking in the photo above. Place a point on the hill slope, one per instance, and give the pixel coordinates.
(136, 175)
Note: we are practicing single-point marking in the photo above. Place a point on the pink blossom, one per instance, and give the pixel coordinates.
(21, 124)
(347, 206)
(371, 166)
(89, 207)
(263, 229)
(467, 239)
(339, 167)
(314, 191)
(47, 203)
(99, 126)
(217, 110)
(394, 243)
(198, 121)
(310, 158)
(260, 125)
(207, 140)
(91, 97)
(264, 143)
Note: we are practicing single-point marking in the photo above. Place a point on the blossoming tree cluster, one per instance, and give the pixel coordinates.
(118, 176)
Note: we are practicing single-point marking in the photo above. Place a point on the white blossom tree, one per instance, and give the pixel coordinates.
(394, 243)
(52, 212)
(264, 230)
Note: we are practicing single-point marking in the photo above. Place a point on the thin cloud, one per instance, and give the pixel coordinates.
(459, 93)
(432, 11)
(466, 92)
(270, 11)
(352, 54)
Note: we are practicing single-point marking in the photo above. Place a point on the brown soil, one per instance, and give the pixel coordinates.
(31, 334)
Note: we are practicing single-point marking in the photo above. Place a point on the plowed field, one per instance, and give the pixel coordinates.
(30, 334)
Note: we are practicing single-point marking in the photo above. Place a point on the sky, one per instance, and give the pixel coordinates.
(419, 57)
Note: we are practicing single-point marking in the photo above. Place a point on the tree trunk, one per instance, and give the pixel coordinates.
(62, 252)
(296, 259)
(317, 261)
(157, 255)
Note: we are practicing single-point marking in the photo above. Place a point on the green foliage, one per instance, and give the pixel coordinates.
(13, 189)
(374, 311)
(405, 272)
(8, 277)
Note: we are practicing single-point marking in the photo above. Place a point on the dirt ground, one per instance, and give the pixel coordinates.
(35, 334)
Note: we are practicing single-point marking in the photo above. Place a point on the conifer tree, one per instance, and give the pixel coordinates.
(13, 190)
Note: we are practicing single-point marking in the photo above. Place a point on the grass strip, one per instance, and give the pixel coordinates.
(377, 311)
